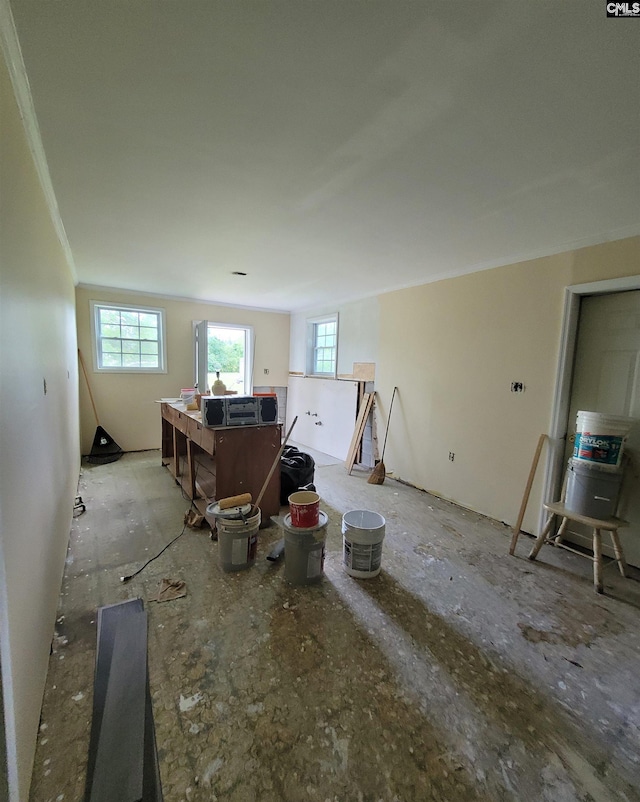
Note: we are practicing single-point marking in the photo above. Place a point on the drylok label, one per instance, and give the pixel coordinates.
(597, 448)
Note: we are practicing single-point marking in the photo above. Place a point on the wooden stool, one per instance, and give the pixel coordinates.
(609, 525)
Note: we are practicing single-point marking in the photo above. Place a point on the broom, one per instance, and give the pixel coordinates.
(379, 473)
(104, 448)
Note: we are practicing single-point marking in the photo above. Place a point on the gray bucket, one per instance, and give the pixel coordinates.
(237, 542)
(304, 551)
(592, 491)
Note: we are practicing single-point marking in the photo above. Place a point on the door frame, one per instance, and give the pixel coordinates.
(201, 327)
(554, 469)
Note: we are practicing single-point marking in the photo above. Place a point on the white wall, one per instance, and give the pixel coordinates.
(39, 439)
(126, 401)
(326, 411)
(358, 325)
(335, 406)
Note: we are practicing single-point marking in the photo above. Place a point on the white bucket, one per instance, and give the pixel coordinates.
(362, 536)
(237, 542)
(304, 551)
(600, 439)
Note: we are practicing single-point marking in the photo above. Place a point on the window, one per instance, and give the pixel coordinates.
(128, 338)
(322, 351)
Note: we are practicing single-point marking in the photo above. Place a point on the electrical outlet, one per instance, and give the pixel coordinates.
(451, 456)
(266, 371)
(517, 387)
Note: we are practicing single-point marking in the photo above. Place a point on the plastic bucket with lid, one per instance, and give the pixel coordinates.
(238, 541)
(362, 536)
(304, 506)
(304, 551)
(188, 396)
(592, 491)
(600, 438)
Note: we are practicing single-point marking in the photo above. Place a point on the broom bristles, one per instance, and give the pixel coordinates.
(378, 475)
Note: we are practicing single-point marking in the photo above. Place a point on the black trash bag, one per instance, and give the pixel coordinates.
(296, 472)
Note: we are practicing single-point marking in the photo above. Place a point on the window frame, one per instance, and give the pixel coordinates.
(97, 306)
(312, 347)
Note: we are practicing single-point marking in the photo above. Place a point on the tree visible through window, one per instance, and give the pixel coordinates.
(128, 338)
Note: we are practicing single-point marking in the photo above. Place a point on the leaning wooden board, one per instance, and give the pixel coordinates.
(361, 422)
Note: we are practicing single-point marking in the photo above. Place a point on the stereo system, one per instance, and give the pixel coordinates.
(238, 410)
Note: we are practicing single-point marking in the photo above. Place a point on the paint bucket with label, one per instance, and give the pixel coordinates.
(592, 491)
(362, 536)
(304, 507)
(600, 439)
(238, 541)
(304, 551)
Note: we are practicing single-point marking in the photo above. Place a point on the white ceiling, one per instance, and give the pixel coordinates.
(330, 149)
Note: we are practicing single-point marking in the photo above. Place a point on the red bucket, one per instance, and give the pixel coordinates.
(305, 509)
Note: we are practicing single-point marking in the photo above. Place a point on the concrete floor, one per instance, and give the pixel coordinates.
(459, 673)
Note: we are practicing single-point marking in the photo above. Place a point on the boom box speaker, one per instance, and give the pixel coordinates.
(214, 411)
(268, 409)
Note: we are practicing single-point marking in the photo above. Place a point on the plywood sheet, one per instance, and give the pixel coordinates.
(364, 371)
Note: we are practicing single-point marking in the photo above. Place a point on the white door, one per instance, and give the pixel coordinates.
(606, 379)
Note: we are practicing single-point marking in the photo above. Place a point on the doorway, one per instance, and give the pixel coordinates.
(227, 350)
(599, 370)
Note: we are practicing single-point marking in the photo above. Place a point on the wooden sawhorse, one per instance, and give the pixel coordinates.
(608, 525)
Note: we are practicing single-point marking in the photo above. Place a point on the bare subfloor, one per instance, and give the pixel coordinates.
(459, 673)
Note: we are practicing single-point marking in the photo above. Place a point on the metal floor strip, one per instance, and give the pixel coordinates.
(122, 763)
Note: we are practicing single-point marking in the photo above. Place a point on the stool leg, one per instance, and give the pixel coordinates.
(558, 538)
(597, 561)
(541, 538)
(617, 548)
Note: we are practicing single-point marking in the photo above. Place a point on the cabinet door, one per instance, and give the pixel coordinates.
(243, 459)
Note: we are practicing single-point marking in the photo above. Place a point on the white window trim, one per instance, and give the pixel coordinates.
(311, 324)
(96, 305)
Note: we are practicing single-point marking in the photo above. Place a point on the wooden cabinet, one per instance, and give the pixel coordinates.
(212, 464)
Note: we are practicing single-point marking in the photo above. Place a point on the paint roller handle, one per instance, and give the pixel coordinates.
(275, 462)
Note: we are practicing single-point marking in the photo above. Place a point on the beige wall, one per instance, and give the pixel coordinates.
(454, 347)
(38, 436)
(126, 402)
